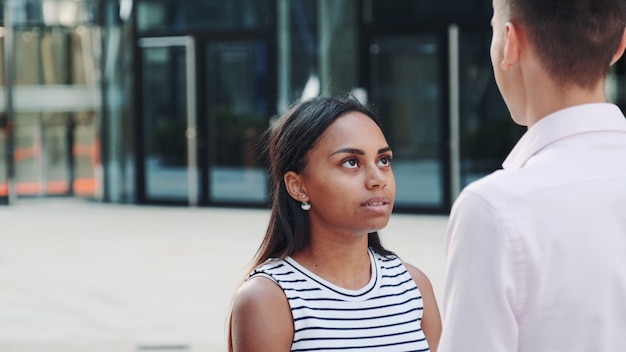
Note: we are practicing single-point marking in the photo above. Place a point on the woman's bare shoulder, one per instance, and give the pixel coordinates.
(431, 319)
(261, 317)
(418, 276)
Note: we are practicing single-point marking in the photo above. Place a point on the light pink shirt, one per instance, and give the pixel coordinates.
(536, 253)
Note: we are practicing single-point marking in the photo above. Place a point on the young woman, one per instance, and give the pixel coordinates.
(322, 281)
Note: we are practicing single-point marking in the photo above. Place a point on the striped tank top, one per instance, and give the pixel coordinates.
(385, 315)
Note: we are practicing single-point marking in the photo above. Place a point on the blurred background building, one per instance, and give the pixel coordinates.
(164, 101)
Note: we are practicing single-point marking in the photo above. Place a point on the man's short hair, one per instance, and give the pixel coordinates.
(575, 39)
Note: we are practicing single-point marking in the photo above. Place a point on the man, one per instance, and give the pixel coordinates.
(536, 252)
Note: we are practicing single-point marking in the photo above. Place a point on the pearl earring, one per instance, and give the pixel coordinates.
(305, 205)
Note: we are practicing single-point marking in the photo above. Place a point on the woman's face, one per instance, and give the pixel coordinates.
(348, 177)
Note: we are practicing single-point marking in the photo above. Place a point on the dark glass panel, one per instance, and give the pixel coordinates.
(403, 11)
(165, 121)
(407, 86)
(303, 45)
(487, 131)
(203, 14)
(238, 110)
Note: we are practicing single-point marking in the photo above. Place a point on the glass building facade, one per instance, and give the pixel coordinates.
(164, 102)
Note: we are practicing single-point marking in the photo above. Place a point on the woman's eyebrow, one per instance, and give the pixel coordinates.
(348, 151)
(359, 151)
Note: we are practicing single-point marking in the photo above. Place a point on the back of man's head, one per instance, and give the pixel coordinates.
(574, 39)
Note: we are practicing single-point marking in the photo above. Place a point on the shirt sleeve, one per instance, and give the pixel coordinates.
(479, 297)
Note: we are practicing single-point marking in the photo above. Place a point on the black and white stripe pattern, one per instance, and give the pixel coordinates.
(385, 315)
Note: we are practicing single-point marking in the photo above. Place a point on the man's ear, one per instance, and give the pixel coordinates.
(295, 186)
(512, 47)
(620, 49)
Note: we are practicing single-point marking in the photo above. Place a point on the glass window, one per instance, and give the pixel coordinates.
(616, 84)
(304, 48)
(402, 11)
(64, 13)
(320, 48)
(406, 85)
(487, 131)
(203, 14)
(238, 104)
(339, 61)
(56, 110)
(165, 121)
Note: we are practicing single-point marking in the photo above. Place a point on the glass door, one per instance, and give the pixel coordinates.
(407, 83)
(238, 103)
(168, 104)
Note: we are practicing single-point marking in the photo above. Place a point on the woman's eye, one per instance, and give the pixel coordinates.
(350, 163)
(384, 161)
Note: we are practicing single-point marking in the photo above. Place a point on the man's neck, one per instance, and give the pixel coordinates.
(552, 98)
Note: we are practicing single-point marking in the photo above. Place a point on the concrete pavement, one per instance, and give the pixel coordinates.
(79, 276)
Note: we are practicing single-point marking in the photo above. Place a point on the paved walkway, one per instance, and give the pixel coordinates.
(78, 276)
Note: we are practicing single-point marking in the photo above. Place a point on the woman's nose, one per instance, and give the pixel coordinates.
(376, 177)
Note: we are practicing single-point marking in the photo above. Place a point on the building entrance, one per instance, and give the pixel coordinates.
(169, 118)
(204, 105)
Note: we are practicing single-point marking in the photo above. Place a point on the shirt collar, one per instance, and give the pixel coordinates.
(564, 123)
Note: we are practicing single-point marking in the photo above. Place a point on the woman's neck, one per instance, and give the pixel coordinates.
(344, 263)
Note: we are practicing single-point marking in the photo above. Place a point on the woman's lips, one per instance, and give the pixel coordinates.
(377, 204)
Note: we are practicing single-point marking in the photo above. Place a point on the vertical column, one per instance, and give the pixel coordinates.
(284, 50)
(190, 133)
(454, 144)
(9, 69)
(324, 30)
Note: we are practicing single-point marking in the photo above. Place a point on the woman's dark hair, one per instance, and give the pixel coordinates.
(290, 139)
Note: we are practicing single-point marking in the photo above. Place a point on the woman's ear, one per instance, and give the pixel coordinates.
(295, 186)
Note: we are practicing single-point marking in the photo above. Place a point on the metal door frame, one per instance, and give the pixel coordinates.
(189, 43)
